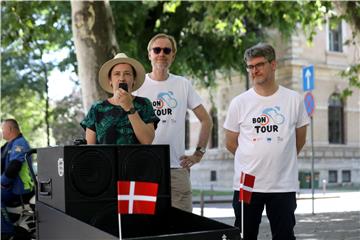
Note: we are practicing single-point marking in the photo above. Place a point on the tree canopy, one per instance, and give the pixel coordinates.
(30, 33)
(211, 36)
(350, 12)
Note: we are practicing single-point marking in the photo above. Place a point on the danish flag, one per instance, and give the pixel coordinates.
(246, 186)
(137, 197)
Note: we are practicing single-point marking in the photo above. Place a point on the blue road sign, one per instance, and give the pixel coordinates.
(309, 103)
(308, 78)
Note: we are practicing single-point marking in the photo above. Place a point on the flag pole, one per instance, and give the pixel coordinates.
(118, 208)
(120, 237)
(242, 205)
(246, 185)
(242, 220)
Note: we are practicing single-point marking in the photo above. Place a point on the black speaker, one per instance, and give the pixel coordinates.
(81, 181)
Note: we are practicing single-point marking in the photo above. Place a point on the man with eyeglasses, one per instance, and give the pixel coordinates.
(171, 96)
(265, 128)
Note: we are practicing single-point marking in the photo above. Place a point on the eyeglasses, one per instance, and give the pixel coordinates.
(259, 65)
(157, 50)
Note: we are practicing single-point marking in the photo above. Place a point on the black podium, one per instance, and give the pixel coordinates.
(77, 195)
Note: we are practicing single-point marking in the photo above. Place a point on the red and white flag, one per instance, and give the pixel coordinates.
(246, 187)
(137, 197)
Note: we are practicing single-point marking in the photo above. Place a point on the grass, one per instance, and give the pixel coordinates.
(346, 188)
(197, 192)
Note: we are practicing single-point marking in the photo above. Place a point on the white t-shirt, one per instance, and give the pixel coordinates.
(170, 98)
(267, 138)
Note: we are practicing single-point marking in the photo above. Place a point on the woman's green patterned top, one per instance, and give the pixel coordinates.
(111, 123)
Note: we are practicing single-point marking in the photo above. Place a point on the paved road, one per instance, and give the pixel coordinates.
(321, 226)
(337, 216)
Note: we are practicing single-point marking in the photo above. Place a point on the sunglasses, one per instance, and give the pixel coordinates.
(157, 50)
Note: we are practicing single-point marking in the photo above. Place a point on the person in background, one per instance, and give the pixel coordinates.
(122, 118)
(171, 96)
(265, 128)
(16, 182)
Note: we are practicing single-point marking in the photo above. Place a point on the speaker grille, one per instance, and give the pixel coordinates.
(141, 165)
(91, 173)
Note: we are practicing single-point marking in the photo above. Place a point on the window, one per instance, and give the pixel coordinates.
(335, 36)
(214, 138)
(187, 131)
(336, 119)
(332, 176)
(346, 176)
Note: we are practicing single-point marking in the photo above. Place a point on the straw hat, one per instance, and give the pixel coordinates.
(121, 58)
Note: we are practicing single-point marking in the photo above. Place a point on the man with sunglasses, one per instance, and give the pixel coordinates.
(265, 129)
(171, 96)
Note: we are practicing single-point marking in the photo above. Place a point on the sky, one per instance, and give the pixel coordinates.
(60, 84)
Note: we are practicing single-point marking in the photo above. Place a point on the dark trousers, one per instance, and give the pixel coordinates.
(280, 210)
(7, 196)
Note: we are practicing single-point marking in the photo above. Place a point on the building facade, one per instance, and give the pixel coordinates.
(335, 125)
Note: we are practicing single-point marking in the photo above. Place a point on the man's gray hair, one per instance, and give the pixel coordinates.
(260, 50)
(163, 35)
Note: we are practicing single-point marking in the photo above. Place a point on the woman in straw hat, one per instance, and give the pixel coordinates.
(122, 118)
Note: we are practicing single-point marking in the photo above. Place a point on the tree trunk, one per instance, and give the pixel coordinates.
(95, 43)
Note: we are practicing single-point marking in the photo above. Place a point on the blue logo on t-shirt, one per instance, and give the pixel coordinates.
(262, 123)
(165, 103)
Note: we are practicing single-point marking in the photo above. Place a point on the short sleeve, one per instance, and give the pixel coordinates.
(232, 121)
(303, 118)
(193, 100)
(90, 119)
(18, 150)
(147, 114)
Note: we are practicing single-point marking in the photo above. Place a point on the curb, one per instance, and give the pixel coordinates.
(229, 200)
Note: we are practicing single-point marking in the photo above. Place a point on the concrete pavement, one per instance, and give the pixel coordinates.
(321, 226)
(336, 215)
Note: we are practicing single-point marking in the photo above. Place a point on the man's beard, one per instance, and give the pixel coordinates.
(260, 80)
(161, 66)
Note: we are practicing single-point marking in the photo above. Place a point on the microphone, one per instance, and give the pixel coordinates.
(123, 86)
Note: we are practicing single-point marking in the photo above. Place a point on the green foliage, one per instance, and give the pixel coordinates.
(27, 108)
(350, 13)
(34, 31)
(133, 30)
(211, 36)
(352, 74)
(67, 115)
